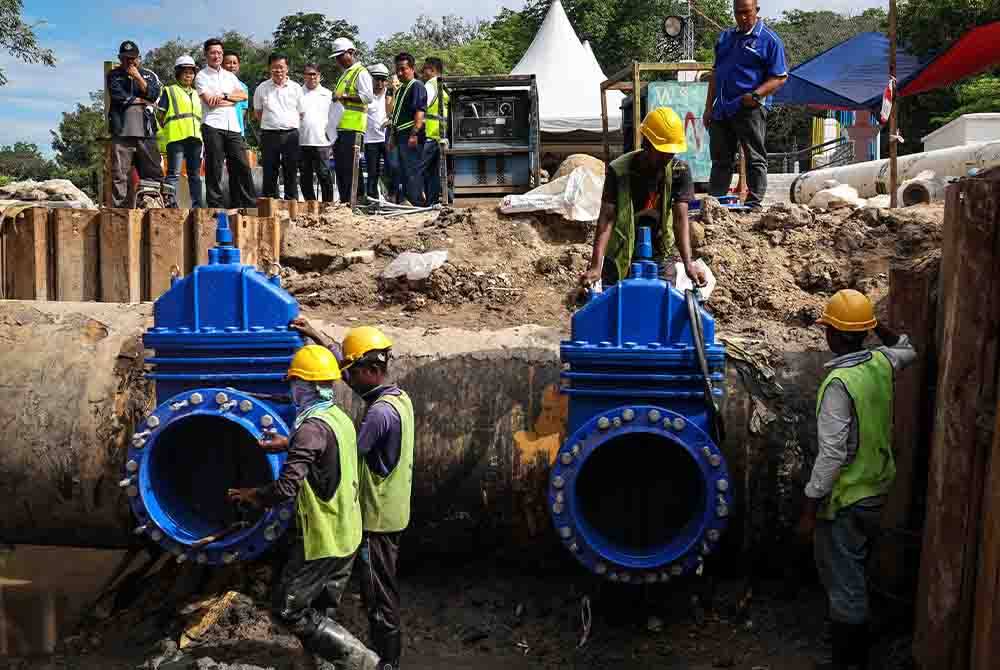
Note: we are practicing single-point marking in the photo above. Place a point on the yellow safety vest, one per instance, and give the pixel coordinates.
(183, 119)
(332, 528)
(355, 113)
(385, 501)
(437, 112)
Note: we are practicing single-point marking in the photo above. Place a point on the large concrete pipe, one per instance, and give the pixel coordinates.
(640, 491)
(872, 178)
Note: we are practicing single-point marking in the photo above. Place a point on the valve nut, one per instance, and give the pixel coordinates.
(153, 421)
(654, 416)
(558, 482)
(246, 406)
(266, 420)
(628, 414)
(603, 423)
(221, 398)
(196, 399)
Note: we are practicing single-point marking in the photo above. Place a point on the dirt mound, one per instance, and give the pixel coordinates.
(775, 270)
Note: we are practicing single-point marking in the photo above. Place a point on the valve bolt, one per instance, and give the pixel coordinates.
(603, 423)
(565, 532)
(156, 535)
(715, 460)
(266, 420)
(722, 485)
(566, 458)
(575, 548)
(557, 508)
(221, 398)
(616, 422)
(600, 568)
(628, 414)
(654, 416)
(722, 511)
(577, 448)
(713, 535)
(132, 466)
(558, 482)
(153, 421)
(679, 424)
(246, 405)
(196, 399)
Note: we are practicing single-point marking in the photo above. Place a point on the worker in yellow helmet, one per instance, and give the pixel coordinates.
(854, 467)
(385, 446)
(648, 187)
(321, 473)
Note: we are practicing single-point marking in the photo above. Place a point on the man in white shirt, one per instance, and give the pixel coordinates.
(314, 152)
(277, 106)
(220, 91)
(378, 118)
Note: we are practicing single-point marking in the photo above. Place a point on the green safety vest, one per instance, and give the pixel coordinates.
(437, 112)
(385, 501)
(332, 528)
(398, 109)
(871, 473)
(355, 113)
(183, 118)
(621, 246)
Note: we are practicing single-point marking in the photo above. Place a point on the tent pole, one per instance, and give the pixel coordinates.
(893, 129)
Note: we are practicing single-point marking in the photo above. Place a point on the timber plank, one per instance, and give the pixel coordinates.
(169, 247)
(76, 248)
(26, 255)
(121, 255)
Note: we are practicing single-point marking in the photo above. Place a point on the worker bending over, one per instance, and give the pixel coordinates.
(321, 473)
(855, 467)
(648, 187)
(385, 444)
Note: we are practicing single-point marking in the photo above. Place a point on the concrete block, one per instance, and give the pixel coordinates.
(26, 255)
(169, 247)
(76, 247)
(121, 255)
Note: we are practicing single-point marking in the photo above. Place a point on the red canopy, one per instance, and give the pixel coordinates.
(975, 51)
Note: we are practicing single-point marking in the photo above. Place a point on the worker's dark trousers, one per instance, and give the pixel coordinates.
(412, 167)
(374, 156)
(343, 162)
(315, 160)
(308, 591)
(281, 148)
(380, 590)
(432, 171)
(229, 147)
(128, 151)
(748, 127)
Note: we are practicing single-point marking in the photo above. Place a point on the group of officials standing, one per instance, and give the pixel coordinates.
(303, 128)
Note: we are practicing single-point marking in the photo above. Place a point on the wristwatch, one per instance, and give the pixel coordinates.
(225, 96)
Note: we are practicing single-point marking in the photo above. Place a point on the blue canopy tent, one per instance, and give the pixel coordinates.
(851, 75)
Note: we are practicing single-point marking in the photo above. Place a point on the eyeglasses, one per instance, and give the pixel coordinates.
(310, 74)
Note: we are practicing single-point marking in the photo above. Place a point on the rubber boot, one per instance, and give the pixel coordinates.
(389, 650)
(336, 644)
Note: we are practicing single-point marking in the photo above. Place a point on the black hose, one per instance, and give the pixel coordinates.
(698, 335)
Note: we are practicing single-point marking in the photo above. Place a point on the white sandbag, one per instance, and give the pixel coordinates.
(575, 197)
(839, 196)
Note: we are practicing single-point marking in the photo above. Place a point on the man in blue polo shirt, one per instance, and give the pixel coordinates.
(749, 67)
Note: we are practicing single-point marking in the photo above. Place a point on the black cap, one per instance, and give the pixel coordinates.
(129, 48)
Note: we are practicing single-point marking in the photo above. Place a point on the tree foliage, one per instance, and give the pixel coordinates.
(18, 38)
(465, 47)
(308, 38)
(77, 143)
(981, 94)
(23, 160)
(161, 59)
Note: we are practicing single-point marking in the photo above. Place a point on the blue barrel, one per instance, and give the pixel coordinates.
(639, 492)
(222, 347)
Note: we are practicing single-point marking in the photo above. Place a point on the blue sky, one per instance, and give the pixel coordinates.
(84, 33)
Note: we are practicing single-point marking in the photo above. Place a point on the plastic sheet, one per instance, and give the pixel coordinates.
(415, 266)
(575, 197)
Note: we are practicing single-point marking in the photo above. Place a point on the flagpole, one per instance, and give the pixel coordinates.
(893, 129)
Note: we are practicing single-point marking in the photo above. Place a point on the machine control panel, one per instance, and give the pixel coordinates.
(490, 118)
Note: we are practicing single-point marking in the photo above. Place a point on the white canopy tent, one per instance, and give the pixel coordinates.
(568, 77)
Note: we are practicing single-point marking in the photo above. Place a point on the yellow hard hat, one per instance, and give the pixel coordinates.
(359, 341)
(849, 311)
(665, 131)
(313, 363)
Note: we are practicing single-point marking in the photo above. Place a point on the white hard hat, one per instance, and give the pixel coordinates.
(184, 61)
(378, 70)
(342, 45)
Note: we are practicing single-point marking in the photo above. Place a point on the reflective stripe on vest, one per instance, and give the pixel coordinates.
(621, 245)
(871, 473)
(385, 501)
(398, 111)
(355, 113)
(436, 112)
(332, 528)
(183, 118)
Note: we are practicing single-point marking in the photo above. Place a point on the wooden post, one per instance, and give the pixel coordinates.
(910, 312)
(202, 235)
(604, 124)
(169, 247)
(985, 640)
(76, 249)
(105, 195)
(246, 236)
(26, 255)
(120, 256)
(959, 449)
(270, 241)
(636, 106)
(893, 129)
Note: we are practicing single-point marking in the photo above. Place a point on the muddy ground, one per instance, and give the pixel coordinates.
(476, 616)
(775, 270)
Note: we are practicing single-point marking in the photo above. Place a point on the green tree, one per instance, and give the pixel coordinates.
(308, 38)
(77, 143)
(465, 47)
(18, 38)
(161, 59)
(23, 160)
